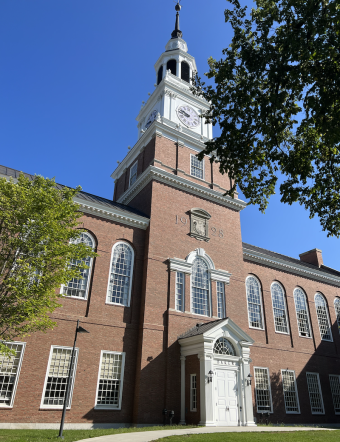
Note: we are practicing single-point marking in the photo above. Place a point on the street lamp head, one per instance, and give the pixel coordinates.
(81, 330)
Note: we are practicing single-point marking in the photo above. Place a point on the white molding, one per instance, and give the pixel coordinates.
(179, 265)
(285, 266)
(112, 214)
(154, 173)
(220, 275)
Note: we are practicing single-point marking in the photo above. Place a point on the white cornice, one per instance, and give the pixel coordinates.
(113, 214)
(154, 173)
(220, 275)
(281, 264)
(180, 265)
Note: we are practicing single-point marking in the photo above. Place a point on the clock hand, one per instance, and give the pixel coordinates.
(184, 113)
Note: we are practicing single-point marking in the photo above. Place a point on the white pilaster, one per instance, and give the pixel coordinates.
(206, 390)
(248, 399)
(182, 421)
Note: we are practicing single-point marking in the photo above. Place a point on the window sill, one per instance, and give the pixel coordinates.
(282, 333)
(74, 297)
(6, 407)
(59, 407)
(117, 305)
(104, 407)
(305, 337)
(256, 328)
(293, 412)
(318, 414)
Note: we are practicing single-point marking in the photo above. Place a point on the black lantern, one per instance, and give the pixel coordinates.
(249, 377)
(171, 415)
(210, 375)
(164, 412)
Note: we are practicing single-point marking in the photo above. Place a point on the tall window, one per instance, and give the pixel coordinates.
(133, 173)
(315, 394)
(110, 380)
(220, 299)
(119, 291)
(78, 288)
(160, 75)
(323, 318)
(279, 308)
(290, 392)
(262, 390)
(172, 66)
(337, 311)
(9, 373)
(255, 314)
(334, 380)
(197, 167)
(180, 278)
(185, 71)
(302, 313)
(56, 377)
(193, 392)
(200, 290)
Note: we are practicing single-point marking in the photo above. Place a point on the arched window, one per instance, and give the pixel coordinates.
(172, 65)
(200, 287)
(185, 71)
(337, 311)
(255, 314)
(279, 308)
(323, 318)
(302, 315)
(160, 75)
(78, 288)
(120, 280)
(224, 347)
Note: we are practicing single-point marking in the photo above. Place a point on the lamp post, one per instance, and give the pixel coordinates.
(78, 330)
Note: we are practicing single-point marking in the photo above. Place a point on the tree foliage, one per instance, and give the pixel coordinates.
(276, 99)
(38, 241)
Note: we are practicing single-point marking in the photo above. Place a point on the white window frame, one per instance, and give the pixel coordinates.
(223, 299)
(261, 303)
(285, 305)
(131, 277)
(23, 346)
(203, 169)
(328, 318)
(191, 393)
(332, 391)
(336, 313)
(73, 379)
(320, 392)
(122, 370)
(307, 311)
(296, 392)
(209, 290)
(88, 280)
(176, 293)
(270, 390)
(135, 164)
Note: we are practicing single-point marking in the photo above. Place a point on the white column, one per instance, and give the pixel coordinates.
(182, 421)
(248, 398)
(167, 104)
(164, 70)
(179, 68)
(206, 391)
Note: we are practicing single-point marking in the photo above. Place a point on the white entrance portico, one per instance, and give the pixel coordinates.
(223, 350)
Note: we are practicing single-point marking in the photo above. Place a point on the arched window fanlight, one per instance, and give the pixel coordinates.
(200, 283)
(279, 308)
(185, 71)
(337, 311)
(255, 314)
(323, 318)
(224, 347)
(160, 75)
(172, 65)
(78, 288)
(119, 290)
(302, 315)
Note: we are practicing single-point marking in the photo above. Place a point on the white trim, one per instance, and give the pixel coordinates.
(160, 175)
(191, 390)
(261, 303)
(223, 299)
(307, 311)
(107, 407)
(176, 293)
(131, 176)
(203, 169)
(59, 407)
(131, 275)
(269, 389)
(23, 346)
(320, 393)
(179, 265)
(327, 313)
(296, 393)
(285, 305)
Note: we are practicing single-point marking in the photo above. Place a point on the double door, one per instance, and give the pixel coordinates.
(226, 398)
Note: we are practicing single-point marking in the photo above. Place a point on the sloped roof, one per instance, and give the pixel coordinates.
(200, 328)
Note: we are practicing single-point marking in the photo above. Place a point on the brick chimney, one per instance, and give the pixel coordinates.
(312, 257)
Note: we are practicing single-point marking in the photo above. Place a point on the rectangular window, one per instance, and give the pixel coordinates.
(9, 373)
(110, 380)
(334, 380)
(193, 392)
(180, 278)
(133, 173)
(290, 392)
(262, 390)
(220, 299)
(56, 377)
(197, 167)
(315, 394)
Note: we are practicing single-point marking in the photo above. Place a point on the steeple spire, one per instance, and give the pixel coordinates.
(177, 33)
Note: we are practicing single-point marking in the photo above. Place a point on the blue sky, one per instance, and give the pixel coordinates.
(73, 75)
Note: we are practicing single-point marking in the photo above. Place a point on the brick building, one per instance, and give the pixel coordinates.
(182, 315)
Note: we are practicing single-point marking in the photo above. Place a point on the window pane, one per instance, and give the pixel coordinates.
(254, 302)
(337, 311)
(120, 276)
(197, 167)
(262, 390)
(110, 380)
(289, 391)
(193, 392)
(302, 313)
(9, 371)
(133, 173)
(315, 395)
(180, 291)
(224, 347)
(279, 308)
(200, 287)
(220, 299)
(322, 314)
(335, 388)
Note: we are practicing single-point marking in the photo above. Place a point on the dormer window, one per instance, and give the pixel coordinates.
(133, 173)
(185, 71)
(160, 75)
(172, 66)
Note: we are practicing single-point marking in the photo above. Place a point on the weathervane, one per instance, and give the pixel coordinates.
(177, 33)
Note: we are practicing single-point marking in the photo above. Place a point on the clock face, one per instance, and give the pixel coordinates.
(188, 116)
(151, 119)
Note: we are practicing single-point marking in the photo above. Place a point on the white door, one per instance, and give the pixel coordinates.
(226, 397)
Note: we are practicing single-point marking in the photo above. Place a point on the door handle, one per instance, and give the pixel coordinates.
(227, 408)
